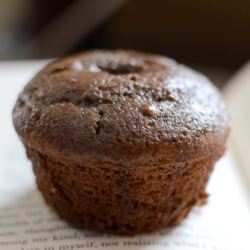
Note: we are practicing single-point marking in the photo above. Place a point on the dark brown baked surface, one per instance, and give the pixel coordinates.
(121, 140)
(121, 106)
(119, 198)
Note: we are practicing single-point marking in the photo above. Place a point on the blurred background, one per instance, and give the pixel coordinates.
(212, 36)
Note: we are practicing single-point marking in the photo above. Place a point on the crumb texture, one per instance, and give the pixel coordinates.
(118, 106)
(121, 140)
(122, 199)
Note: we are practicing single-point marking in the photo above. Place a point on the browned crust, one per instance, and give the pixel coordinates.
(158, 112)
(121, 140)
(122, 199)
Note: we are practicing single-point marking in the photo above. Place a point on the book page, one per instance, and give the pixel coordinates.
(26, 222)
(237, 94)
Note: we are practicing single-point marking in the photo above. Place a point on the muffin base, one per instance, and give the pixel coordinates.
(124, 199)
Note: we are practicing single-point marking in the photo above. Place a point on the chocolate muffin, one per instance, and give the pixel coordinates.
(121, 140)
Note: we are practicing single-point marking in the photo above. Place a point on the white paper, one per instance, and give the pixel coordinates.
(27, 223)
(237, 96)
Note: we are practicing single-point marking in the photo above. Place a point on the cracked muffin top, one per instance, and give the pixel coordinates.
(121, 107)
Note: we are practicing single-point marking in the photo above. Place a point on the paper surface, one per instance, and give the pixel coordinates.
(237, 96)
(27, 223)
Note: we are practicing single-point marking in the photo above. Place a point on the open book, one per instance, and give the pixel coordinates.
(27, 223)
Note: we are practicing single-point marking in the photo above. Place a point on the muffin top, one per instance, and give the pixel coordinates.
(121, 107)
